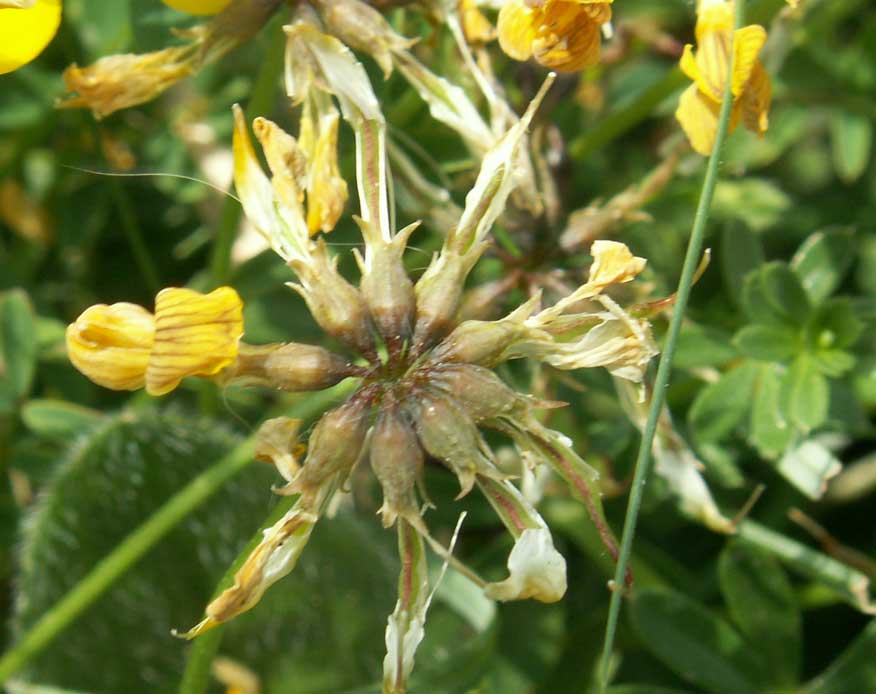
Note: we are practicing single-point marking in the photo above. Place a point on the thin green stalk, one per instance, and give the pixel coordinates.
(661, 381)
(123, 557)
(263, 93)
(134, 234)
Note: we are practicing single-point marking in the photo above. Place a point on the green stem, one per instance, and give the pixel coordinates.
(123, 557)
(135, 236)
(204, 649)
(661, 381)
(263, 93)
(627, 117)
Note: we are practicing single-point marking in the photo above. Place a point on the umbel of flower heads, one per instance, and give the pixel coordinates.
(709, 68)
(425, 385)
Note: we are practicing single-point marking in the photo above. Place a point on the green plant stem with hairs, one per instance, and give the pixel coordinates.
(661, 381)
(133, 548)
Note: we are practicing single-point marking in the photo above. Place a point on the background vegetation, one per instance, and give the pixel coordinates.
(774, 386)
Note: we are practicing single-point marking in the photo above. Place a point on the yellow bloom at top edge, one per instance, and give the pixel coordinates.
(199, 7)
(26, 31)
(125, 347)
(562, 35)
(709, 68)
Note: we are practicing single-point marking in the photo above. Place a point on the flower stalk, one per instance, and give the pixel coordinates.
(661, 380)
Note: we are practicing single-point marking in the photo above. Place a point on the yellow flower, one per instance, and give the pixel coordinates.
(700, 103)
(201, 7)
(124, 347)
(562, 35)
(26, 27)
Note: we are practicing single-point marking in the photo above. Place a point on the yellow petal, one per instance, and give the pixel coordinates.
(613, 263)
(195, 335)
(713, 62)
(111, 344)
(698, 116)
(569, 35)
(475, 26)
(755, 102)
(25, 32)
(746, 48)
(199, 7)
(688, 63)
(516, 29)
(714, 17)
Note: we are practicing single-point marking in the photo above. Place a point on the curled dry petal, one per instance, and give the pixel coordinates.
(120, 81)
(273, 558)
(277, 443)
(537, 570)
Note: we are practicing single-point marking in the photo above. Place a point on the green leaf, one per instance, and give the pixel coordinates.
(833, 362)
(774, 294)
(721, 406)
(757, 202)
(700, 345)
(335, 602)
(823, 260)
(696, 644)
(833, 326)
(853, 672)
(55, 418)
(769, 429)
(761, 602)
(805, 394)
(767, 342)
(741, 253)
(18, 347)
(643, 689)
(851, 140)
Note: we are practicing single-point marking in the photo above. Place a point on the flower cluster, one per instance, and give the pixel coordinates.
(424, 384)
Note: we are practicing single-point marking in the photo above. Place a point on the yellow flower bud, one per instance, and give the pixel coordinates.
(25, 30)
(124, 347)
(199, 7)
(111, 344)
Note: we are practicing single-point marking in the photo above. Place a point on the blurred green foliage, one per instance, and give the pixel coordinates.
(775, 383)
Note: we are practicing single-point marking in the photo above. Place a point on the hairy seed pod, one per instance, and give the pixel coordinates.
(292, 366)
(334, 446)
(448, 434)
(397, 461)
(387, 288)
(336, 305)
(478, 342)
(438, 295)
(480, 392)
